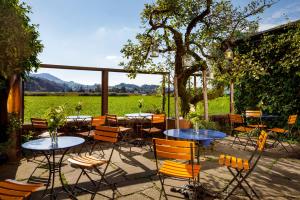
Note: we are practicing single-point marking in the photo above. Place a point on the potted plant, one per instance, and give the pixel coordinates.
(56, 118)
(78, 108)
(8, 149)
(140, 104)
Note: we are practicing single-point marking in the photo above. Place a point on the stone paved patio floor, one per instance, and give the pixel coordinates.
(277, 175)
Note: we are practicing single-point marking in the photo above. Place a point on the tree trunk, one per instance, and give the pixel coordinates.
(204, 91)
(176, 102)
(231, 96)
(4, 92)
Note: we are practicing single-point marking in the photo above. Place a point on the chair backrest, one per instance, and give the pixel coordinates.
(38, 123)
(98, 121)
(111, 120)
(184, 124)
(107, 134)
(292, 119)
(253, 113)
(262, 139)
(158, 118)
(172, 149)
(235, 119)
(261, 143)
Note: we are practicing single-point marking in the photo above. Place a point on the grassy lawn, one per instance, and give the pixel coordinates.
(36, 106)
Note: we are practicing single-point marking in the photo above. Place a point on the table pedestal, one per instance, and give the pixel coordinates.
(53, 168)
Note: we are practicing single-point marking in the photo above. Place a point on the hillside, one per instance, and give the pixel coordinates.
(45, 82)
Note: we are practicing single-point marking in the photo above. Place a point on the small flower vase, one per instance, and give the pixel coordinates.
(196, 127)
(140, 111)
(78, 113)
(54, 137)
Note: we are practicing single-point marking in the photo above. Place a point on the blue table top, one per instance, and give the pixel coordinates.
(205, 136)
(44, 144)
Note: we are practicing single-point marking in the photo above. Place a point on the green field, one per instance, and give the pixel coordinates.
(36, 106)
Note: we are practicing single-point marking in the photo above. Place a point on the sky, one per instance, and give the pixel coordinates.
(91, 33)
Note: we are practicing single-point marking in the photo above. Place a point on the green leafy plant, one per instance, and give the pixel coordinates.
(196, 118)
(56, 117)
(78, 107)
(140, 103)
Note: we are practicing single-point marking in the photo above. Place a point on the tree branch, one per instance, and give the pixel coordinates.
(194, 22)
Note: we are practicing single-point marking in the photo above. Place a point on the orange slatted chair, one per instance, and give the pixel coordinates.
(15, 190)
(175, 151)
(96, 121)
(237, 125)
(255, 115)
(112, 120)
(39, 126)
(241, 168)
(281, 132)
(157, 124)
(90, 163)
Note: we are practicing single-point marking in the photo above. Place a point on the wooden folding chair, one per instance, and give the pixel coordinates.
(238, 126)
(176, 150)
(15, 190)
(39, 126)
(88, 162)
(241, 168)
(281, 132)
(96, 121)
(157, 125)
(256, 116)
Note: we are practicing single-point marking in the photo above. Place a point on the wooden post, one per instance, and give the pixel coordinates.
(164, 93)
(231, 96)
(176, 102)
(104, 93)
(204, 91)
(169, 90)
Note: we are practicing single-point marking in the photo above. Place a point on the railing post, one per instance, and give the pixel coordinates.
(104, 93)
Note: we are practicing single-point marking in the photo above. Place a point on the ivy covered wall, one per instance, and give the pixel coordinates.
(277, 89)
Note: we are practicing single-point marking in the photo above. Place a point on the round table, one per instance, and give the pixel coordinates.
(204, 136)
(79, 120)
(138, 115)
(48, 149)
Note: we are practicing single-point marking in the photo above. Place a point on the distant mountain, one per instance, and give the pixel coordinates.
(45, 82)
(44, 78)
(47, 77)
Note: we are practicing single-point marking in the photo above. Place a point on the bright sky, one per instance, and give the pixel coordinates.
(92, 33)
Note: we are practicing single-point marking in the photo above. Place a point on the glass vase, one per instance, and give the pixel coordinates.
(196, 127)
(54, 137)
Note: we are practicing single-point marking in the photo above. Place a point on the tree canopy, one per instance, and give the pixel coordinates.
(19, 47)
(187, 30)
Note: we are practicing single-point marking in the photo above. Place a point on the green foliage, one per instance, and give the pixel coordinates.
(187, 28)
(196, 118)
(277, 90)
(78, 107)
(27, 136)
(56, 117)
(18, 38)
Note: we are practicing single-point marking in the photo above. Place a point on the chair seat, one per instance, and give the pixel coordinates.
(86, 161)
(234, 162)
(278, 130)
(243, 129)
(180, 170)
(152, 130)
(10, 189)
(124, 129)
(257, 125)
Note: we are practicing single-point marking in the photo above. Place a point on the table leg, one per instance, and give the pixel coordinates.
(60, 176)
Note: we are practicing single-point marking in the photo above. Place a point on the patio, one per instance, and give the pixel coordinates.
(276, 176)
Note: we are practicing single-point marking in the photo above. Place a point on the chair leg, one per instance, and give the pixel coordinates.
(239, 183)
(162, 180)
